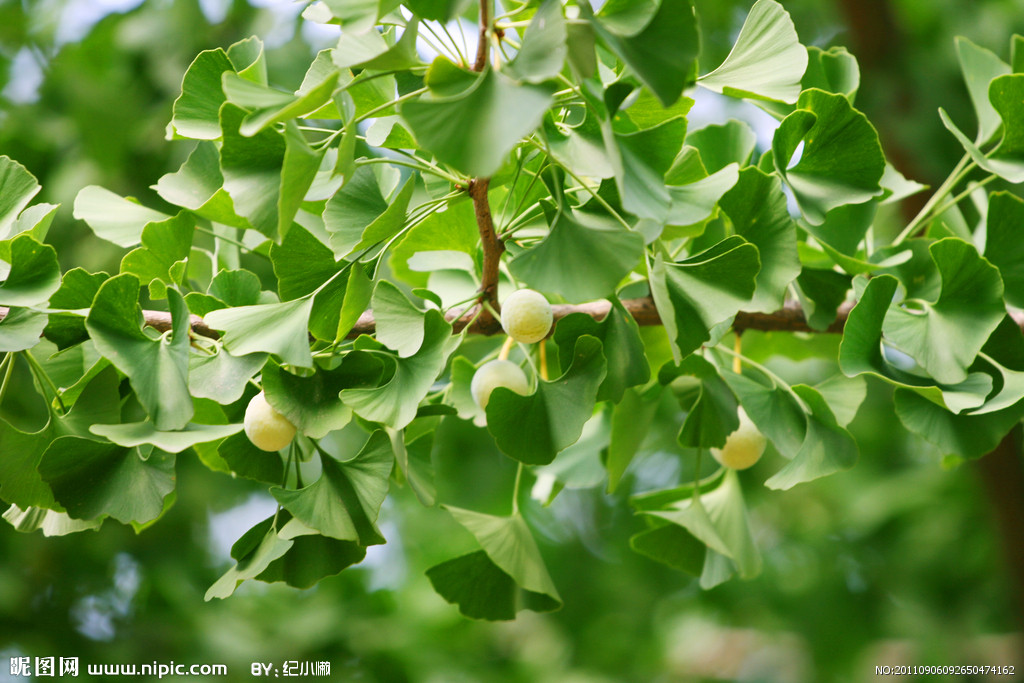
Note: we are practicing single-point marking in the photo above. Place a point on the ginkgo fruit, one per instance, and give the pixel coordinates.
(526, 316)
(743, 447)
(497, 373)
(268, 429)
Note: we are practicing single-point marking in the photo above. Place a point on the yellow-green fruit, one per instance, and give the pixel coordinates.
(743, 447)
(526, 316)
(268, 429)
(497, 373)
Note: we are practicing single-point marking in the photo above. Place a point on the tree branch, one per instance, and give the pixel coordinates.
(789, 318)
(491, 245)
(482, 43)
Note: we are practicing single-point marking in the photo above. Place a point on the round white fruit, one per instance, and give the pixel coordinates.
(497, 373)
(526, 316)
(268, 429)
(743, 447)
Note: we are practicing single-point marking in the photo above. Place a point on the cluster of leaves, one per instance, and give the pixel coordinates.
(353, 188)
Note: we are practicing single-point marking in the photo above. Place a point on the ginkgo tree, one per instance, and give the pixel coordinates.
(341, 251)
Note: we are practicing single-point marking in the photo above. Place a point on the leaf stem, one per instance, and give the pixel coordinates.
(515, 490)
(963, 195)
(8, 366)
(959, 172)
(593, 193)
(240, 245)
(422, 168)
(387, 105)
(44, 379)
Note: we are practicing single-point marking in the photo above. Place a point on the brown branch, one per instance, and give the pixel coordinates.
(492, 246)
(789, 318)
(489, 242)
(481, 46)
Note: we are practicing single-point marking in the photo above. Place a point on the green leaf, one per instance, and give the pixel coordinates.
(631, 420)
(263, 547)
(311, 403)
(533, 429)
(697, 293)
(394, 404)
(827, 447)
(482, 590)
(345, 501)
(281, 329)
(844, 396)
(440, 10)
(967, 436)
(312, 558)
(721, 145)
(139, 433)
(378, 51)
(451, 230)
(250, 462)
(302, 264)
(475, 129)
(414, 461)
(1008, 165)
(399, 321)
(620, 343)
(842, 161)
(196, 109)
(164, 245)
(92, 479)
(222, 377)
(252, 170)
(1003, 246)
(544, 49)
(945, 336)
(821, 293)
(34, 275)
(52, 523)
(774, 409)
(358, 216)
(980, 67)
(510, 545)
(17, 188)
(712, 417)
(356, 16)
(19, 481)
(757, 208)
(113, 217)
(861, 352)
(640, 161)
(21, 329)
(156, 368)
(198, 186)
(767, 61)
(663, 53)
(298, 171)
(832, 70)
(671, 545)
(601, 256)
(269, 106)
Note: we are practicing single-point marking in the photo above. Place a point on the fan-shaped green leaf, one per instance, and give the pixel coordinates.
(345, 501)
(475, 129)
(697, 293)
(534, 428)
(156, 367)
(767, 61)
(842, 161)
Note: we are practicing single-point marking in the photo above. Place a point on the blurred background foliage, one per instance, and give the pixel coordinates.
(899, 561)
